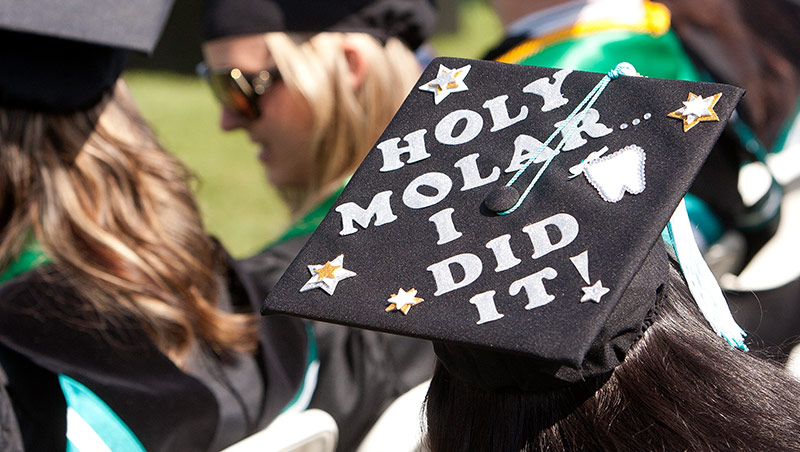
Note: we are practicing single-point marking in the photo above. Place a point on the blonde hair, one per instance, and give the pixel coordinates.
(115, 214)
(347, 121)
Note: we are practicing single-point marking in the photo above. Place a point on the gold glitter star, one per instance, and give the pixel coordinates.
(326, 271)
(402, 301)
(696, 109)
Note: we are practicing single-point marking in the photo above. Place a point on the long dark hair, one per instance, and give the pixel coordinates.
(681, 387)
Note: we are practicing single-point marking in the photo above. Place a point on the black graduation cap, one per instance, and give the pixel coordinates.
(435, 236)
(62, 55)
(412, 21)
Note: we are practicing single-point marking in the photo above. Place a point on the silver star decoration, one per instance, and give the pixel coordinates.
(594, 292)
(327, 275)
(699, 107)
(448, 81)
(696, 109)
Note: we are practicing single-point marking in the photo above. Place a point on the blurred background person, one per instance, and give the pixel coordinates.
(741, 195)
(122, 324)
(713, 42)
(313, 84)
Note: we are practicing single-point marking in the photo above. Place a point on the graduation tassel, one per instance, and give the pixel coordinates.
(701, 281)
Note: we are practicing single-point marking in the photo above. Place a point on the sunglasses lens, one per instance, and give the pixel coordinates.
(231, 96)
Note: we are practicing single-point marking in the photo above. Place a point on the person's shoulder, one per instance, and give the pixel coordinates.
(264, 269)
(42, 313)
(279, 254)
(36, 292)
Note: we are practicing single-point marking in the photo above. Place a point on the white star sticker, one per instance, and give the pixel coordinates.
(402, 300)
(696, 109)
(327, 276)
(448, 81)
(594, 292)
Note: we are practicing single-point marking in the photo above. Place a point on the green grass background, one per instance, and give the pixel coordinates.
(237, 204)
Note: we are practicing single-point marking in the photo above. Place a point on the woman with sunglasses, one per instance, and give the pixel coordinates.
(123, 326)
(314, 83)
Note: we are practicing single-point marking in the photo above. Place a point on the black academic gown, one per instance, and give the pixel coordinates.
(46, 330)
(361, 372)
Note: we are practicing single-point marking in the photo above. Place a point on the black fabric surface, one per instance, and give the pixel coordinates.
(37, 401)
(412, 21)
(37, 427)
(10, 436)
(497, 371)
(617, 236)
(770, 317)
(282, 347)
(361, 372)
(508, 43)
(45, 330)
(264, 269)
(127, 24)
(165, 408)
(55, 75)
(62, 56)
(716, 183)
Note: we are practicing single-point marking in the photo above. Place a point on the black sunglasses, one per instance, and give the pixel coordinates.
(239, 91)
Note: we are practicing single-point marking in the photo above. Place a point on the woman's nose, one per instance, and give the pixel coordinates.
(229, 120)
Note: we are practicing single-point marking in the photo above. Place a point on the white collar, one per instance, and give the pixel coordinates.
(570, 13)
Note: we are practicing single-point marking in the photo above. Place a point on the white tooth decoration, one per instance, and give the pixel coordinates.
(447, 81)
(616, 173)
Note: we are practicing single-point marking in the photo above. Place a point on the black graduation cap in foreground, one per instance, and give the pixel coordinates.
(128, 24)
(62, 55)
(569, 279)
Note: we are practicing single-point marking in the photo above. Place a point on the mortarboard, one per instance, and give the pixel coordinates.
(412, 21)
(62, 56)
(514, 210)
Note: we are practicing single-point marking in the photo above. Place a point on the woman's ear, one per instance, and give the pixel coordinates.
(356, 63)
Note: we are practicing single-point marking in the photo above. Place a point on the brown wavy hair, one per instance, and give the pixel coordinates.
(116, 215)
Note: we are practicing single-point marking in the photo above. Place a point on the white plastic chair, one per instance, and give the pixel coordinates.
(399, 429)
(303, 431)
